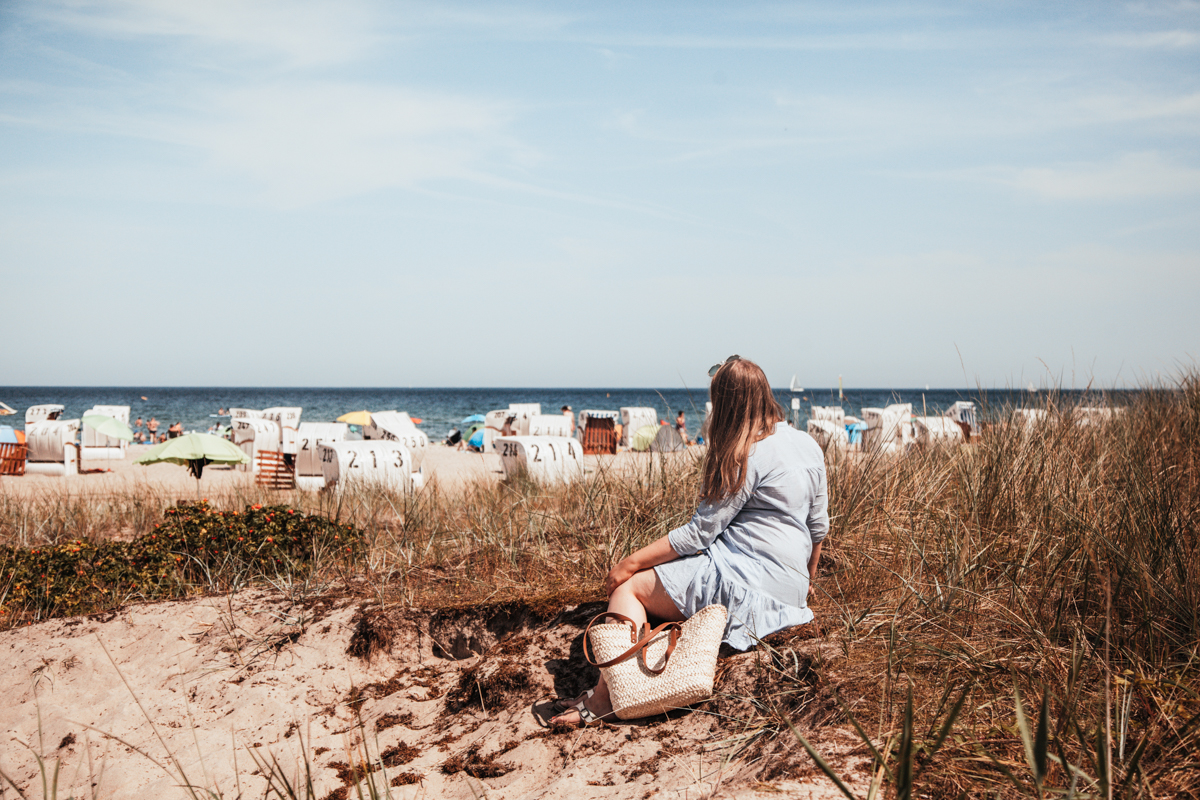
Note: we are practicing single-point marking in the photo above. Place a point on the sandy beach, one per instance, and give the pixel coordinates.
(451, 469)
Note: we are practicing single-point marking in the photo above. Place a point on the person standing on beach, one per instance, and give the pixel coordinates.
(681, 427)
(566, 410)
(754, 542)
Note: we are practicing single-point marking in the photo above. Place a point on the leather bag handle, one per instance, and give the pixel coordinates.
(639, 643)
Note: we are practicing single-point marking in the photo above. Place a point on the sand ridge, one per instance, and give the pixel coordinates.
(259, 673)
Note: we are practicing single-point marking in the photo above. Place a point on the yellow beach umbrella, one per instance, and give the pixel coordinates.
(359, 418)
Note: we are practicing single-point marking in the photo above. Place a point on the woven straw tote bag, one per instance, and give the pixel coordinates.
(653, 671)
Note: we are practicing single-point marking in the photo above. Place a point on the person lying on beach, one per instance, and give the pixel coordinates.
(754, 542)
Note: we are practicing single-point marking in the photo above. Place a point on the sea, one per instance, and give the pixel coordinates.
(440, 410)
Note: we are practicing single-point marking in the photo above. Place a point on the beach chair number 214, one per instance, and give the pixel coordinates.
(511, 450)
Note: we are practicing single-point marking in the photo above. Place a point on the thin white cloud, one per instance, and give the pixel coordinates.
(311, 141)
(1170, 8)
(1135, 175)
(1134, 106)
(297, 32)
(1170, 40)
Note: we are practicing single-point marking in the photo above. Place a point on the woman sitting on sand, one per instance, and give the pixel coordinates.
(754, 542)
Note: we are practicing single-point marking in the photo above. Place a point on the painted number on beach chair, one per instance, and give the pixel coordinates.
(543, 458)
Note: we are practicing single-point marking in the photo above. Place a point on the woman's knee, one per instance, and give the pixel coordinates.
(654, 597)
(641, 585)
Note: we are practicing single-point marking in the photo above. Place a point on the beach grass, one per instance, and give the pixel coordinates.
(1018, 617)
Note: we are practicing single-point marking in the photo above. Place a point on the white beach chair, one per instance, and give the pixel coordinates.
(550, 425)
(887, 428)
(288, 419)
(633, 419)
(828, 434)
(872, 437)
(1029, 418)
(899, 417)
(51, 448)
(310, 476)
(493, 423)
(98, 447)
(397, 426)
(1095, 416)
(834, 414)
(254, 435)
(963, 411)
(937, 430)
(393, 422)
(377, 464)
(545, 459)
(38, 413)
(243, 413)
(524, 412)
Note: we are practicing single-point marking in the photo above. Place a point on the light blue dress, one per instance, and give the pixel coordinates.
(750, 551)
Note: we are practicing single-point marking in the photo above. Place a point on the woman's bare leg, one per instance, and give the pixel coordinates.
(635, 597)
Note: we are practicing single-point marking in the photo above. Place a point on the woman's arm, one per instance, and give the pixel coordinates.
(813, 560)
(653, 554)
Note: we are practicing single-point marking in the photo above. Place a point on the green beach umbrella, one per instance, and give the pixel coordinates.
(642, 438)
(193, 451)
(109, 426)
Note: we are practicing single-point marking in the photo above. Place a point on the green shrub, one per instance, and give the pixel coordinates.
(194, 548)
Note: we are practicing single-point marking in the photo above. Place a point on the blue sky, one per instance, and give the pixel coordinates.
(405, 194)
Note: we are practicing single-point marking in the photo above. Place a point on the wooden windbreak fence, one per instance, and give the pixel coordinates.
(274, 470)
(12, 459)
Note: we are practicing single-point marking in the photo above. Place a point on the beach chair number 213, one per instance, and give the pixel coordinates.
(330, 455)
(375, 460)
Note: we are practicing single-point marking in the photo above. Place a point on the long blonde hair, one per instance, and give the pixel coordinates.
(744, 412)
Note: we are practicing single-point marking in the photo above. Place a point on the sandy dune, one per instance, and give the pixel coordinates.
(223, 681)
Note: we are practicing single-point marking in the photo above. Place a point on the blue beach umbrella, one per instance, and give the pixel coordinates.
(474, 418)
(477, 439)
